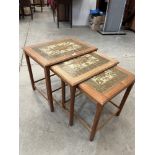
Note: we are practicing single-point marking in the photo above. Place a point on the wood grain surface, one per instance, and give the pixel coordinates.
(88, 68)
(111, 91)
(41, 57)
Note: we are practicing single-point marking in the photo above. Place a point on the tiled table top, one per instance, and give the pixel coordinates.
(57, 51)
(107, 84)
(82, 68)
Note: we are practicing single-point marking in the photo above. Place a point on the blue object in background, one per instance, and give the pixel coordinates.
(96, 12)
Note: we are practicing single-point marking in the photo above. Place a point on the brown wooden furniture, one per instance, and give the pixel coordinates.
(50, 53)
(53, 4)
(67, 11)
(86, 73)
(25, 4)
(82, 68)
(129, 15)
(38, 3)
(92, 72)
(77, 70)
(102, 88)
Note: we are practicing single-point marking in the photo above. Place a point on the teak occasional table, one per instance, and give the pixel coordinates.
(50, 53)
(79, 69)
(102, 88)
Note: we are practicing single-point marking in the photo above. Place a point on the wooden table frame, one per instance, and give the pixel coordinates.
(99, 109)
(73, 84)
(126, 83)
(47, 79)
(46, 64)
(74, 81)
(29, 50)
(92, 129)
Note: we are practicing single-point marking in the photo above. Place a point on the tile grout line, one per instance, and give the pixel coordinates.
(24, 45)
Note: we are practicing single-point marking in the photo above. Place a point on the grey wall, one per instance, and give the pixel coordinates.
(81, 11)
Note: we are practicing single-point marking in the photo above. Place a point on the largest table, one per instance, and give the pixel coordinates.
(53, 52)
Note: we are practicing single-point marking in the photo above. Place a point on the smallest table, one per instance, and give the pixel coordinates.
(103, 87)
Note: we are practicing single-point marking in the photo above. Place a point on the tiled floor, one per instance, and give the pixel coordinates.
(46, 133)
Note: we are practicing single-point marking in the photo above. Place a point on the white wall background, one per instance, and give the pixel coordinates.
(81, 11)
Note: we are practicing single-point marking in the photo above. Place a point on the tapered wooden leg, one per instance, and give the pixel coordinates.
(72, 94)
(30, 71)
(95, 122)
(63, 93)
(124, 99)
(49, 88)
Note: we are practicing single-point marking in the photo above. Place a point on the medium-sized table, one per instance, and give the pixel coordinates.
(77, 70)
(51, 53)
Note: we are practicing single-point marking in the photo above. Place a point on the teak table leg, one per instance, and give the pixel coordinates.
(63, 93)
(72, 94)
(95, 122)
(30, 71)
(124, 99)
(49, 88)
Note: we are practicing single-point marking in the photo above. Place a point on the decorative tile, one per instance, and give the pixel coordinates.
(106, 80)
(59, 49)
(82, 64)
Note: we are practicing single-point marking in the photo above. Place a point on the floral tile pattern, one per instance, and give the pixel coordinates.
(106, 80)
(82, 64)
(55, 50)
